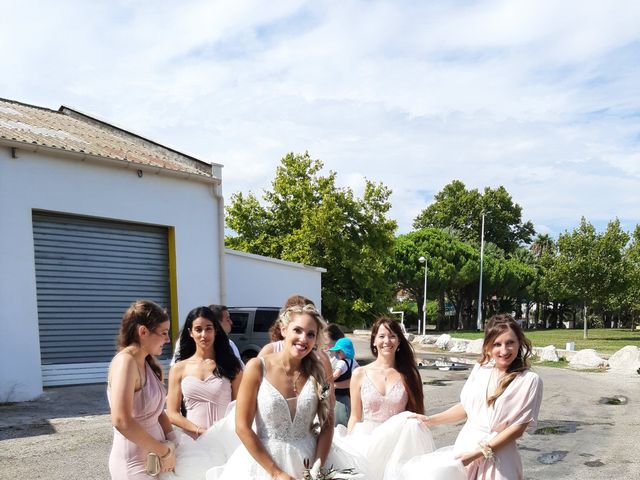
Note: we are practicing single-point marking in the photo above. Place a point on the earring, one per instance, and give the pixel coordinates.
(398, 349)
(375, 349)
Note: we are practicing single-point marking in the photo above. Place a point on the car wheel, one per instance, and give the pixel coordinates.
(248, 355)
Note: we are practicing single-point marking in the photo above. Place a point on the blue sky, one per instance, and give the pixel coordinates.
(539, 96)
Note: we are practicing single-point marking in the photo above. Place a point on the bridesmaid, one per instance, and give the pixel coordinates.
(385, 396)
(137, 396)
(206, 375)
(500, 400)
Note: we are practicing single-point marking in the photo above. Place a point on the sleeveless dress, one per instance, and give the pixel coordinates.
(387, 437)
(519, 404)
(127, 460)
(289, 440)
(206, 400)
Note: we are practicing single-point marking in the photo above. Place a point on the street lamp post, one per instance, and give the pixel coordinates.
(479, 319)
(401, 313)
(424, 303)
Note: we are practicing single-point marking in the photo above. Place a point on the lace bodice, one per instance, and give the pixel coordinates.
(273, 417)
(379, 408)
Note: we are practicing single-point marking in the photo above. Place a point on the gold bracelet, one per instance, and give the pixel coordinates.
(487, 451)
(198, 431)
(171, 447)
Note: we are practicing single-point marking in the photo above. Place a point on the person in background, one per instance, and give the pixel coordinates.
(136, 395)
(222, 312)
(346, 363)
(206, 375)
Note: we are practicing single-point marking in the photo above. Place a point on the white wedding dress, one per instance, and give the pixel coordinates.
(285, 428)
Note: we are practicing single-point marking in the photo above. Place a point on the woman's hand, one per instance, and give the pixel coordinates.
(424, 419)
(168, 460)
(283, 476)
(467, 457)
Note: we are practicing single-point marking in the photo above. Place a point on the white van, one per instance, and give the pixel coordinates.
(250, 331)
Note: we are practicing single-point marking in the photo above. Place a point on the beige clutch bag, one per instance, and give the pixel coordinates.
(153, 464)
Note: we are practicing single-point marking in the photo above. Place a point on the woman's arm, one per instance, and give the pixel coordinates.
(123, 374)
(235, 385)
(246, 413)
(356, 400)
(452, 415)
(174, 400)
(324, 439)
(506, 436)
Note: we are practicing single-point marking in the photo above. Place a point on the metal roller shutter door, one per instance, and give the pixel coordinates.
(88, 271)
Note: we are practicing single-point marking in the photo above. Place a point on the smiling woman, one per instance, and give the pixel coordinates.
(500, 400)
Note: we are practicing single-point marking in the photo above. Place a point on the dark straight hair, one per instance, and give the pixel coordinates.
(227, 363)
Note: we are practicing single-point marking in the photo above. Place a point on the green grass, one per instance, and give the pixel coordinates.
(604, 340)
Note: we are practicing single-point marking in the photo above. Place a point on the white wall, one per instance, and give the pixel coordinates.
(42, 182)
(257, 281)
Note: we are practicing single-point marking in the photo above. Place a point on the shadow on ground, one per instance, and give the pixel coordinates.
(27, 419)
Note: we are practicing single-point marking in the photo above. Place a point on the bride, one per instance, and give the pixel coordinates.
(285, 393)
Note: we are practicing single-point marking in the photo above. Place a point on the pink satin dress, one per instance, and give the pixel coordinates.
(127, 460)
(206, 400)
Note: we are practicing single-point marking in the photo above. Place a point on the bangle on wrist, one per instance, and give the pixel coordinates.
(171, 447)
(486, 450)
(198, 431)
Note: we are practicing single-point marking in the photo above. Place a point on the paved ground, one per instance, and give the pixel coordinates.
(66, 434)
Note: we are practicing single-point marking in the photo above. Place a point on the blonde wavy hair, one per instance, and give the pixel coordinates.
(311, 365)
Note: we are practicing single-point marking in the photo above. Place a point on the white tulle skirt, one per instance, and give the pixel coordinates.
(438, 465)
(382, 449)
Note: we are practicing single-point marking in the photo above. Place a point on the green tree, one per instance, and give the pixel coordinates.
(589, 266)
(306, 218)
(460, 209)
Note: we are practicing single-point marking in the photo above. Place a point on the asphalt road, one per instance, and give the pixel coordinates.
(66, 434)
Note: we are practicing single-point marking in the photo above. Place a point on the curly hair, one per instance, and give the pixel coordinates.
(496, 326)
(311, 365)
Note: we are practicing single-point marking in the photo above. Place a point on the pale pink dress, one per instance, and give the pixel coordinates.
(127, 460)
(206, 400)
(518, 405)
(387, 437)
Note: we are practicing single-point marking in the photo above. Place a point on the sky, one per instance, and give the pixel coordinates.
(540, 96)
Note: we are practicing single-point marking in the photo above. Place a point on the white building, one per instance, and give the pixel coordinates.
(93, 217)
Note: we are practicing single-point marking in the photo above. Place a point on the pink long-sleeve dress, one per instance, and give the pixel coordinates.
(206, 400)
(127, 460)
(518, 405)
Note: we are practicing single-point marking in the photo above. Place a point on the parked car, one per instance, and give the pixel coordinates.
(250, 330)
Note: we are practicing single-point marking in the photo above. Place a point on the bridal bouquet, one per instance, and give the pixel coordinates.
(316, 472)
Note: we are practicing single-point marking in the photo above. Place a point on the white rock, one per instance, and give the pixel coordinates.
(443, 341)
(625, 360)
(429, 339)
(587, 358)
(410, 337)
(475, 346)
(457, 345)
(548, 354)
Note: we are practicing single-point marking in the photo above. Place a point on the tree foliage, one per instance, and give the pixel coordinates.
(460, 210)
(306, 218)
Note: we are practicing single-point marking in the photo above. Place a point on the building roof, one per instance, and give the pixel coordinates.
(69, 130)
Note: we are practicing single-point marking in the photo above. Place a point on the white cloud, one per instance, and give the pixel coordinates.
(540, 97)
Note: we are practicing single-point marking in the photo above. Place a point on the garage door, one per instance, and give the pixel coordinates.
(88, 271)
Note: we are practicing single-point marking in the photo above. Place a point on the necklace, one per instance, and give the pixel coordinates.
(293, 379)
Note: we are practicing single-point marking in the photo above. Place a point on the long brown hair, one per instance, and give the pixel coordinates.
(311, 364)
(148, 314)
(496, 326)
(405, 363)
